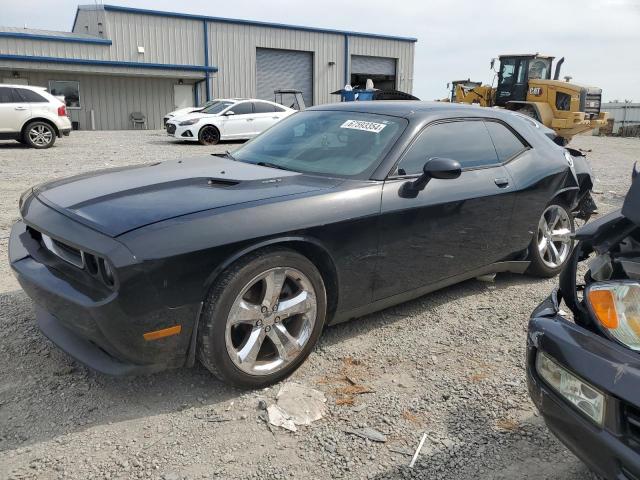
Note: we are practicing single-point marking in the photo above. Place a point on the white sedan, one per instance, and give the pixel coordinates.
(227, 119)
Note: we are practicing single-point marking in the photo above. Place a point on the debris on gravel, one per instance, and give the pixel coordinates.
(449, 364)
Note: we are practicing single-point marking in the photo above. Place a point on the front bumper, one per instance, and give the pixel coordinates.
(188, 133)
(613, 450)
(97, 325)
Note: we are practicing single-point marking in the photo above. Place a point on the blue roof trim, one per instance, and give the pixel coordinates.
(55, 38)
(256, 23)
(108, 63)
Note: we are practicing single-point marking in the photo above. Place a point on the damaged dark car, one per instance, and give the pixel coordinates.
(583, 365)
(240, 260)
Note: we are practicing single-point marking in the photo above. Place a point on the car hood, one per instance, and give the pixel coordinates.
(196, 114)
(116, 201)
(182, 111)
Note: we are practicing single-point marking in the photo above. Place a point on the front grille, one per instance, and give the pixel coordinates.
(592, 104)
(66, 252)
(631, 425)
(171, 128)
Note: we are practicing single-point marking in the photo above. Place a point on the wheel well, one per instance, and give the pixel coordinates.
(321, 259)
(316, 254)
(568, 198)
(38, 119)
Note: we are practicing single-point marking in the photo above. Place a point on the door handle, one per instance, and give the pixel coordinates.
(249, 119)
(20, 108)
(502, 182)
(275, 118)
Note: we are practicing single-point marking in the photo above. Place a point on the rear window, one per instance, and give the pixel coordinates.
(30, 96)
(507, 144)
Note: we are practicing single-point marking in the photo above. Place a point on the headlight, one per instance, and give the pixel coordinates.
(577, 392)
(616, 306)
(189, 122)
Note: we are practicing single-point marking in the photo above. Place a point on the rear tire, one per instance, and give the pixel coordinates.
(39, 135)
(209, 135)
(552, 243)
(242, 311)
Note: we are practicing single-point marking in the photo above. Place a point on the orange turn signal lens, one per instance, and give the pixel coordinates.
(604, 307)
(165, 332)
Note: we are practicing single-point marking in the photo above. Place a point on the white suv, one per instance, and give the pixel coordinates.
(32, 116)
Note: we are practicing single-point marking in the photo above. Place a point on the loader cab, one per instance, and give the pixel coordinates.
(515, 73)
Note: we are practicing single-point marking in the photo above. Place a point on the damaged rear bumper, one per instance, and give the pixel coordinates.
(613, 450)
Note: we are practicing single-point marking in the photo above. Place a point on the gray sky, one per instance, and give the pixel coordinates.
(456, 39)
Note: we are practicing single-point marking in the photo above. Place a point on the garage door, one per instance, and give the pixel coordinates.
(373, 65)
(284, 69)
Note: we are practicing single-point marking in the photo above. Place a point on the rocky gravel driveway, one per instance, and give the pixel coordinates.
(449, 364)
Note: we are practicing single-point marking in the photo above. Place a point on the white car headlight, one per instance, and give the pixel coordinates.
(577, 392)
(616, 307)
(191, 121)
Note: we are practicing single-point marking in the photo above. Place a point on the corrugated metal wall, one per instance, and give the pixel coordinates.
(624, 114)
(232, 48)
(113, 98)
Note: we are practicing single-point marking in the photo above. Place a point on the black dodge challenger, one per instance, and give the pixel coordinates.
(240, 260)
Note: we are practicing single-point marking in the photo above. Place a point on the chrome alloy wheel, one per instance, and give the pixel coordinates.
(40, 135)
(270, 321)
(554, 236)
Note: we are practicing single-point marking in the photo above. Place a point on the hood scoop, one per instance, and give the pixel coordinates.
(222, 182)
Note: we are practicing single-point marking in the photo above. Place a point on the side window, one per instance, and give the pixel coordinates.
(262, 107)
(30, 96)
(465, 141)
(242, 108)
(278, 109)
(7, 95)
(506, 143)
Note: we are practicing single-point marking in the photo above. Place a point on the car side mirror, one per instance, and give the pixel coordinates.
(229, 113)
(440, 168)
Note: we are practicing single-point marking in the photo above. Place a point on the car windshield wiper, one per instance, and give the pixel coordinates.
(228, 154)
(272, 165)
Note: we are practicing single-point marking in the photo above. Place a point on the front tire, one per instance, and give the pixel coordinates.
(553, 241)
(262, 318)
(209, 135)
(39, 135)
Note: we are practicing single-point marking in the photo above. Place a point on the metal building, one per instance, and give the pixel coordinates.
(119, 60)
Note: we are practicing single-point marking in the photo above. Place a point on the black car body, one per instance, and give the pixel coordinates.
(110, 256)
(593, 347)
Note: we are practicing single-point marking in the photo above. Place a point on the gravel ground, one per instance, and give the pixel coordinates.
(449, 364)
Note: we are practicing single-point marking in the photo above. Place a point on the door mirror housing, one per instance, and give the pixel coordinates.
(229, 113)
(436, 167)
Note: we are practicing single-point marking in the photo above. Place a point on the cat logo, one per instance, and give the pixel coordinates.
(537, 91)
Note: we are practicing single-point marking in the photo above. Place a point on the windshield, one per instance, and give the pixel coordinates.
(216, 107)
(207, 104)
(327, 143)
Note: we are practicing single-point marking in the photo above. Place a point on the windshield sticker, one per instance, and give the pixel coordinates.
(366, 126)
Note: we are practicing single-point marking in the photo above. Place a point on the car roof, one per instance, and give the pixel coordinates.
(30, 87)
(414, 109)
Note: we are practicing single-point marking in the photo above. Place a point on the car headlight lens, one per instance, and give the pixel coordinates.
(577, 392)
(191, 121)
(616, 306)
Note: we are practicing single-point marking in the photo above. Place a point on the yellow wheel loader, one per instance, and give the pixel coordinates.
(525, 85)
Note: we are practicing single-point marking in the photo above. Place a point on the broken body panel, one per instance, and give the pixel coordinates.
(580, 344)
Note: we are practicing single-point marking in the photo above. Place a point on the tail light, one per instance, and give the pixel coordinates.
(62, 111)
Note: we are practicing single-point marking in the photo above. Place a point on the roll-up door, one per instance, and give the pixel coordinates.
(284, 69)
